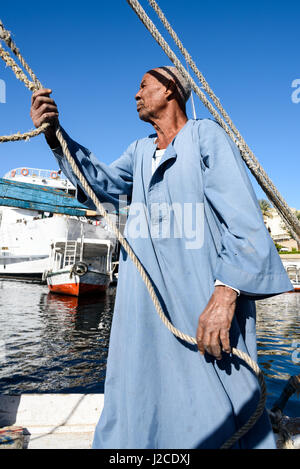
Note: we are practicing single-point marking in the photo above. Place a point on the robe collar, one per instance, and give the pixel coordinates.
(151, 147)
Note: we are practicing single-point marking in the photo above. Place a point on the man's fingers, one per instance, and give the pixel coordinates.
(40, 100)
(45, 108)
(199, 338)
(50, 117)
(213, 347)
(209, 342)
(42, 92)
(225, 341)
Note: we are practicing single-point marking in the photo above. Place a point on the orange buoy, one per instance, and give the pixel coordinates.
(53, 175)
(24, 172)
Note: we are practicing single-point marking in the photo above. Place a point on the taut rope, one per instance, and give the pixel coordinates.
(35, 85)
(256, 169)
(20, 75)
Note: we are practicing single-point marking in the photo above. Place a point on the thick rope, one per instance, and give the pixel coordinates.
(243, 356)
(6, 36)
(26, 136)
(231, 125)
(256, 169)
(273, 195)
(284, 439)
(20, 75)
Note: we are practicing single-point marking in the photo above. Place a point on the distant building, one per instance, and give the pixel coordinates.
(278, 231)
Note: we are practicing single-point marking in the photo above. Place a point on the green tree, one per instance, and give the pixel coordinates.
(297, 213)
(266, 208)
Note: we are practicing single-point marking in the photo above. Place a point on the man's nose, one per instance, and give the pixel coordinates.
(137, 96)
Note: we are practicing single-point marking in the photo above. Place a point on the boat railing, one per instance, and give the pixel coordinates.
(293, 272)
(72, 253)
(43, 174)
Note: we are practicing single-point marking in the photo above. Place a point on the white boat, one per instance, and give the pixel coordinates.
(80, 267)
(293, 271)
(38, 207)
(42, 177)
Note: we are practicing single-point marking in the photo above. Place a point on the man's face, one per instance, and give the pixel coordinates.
(151, 98)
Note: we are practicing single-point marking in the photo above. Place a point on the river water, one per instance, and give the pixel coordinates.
(58, 344)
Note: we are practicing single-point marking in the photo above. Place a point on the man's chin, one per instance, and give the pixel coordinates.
(144, 116)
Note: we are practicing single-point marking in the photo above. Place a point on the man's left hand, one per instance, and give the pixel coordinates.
(215, 322)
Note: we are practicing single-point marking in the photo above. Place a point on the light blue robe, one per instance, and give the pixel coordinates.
(159, 391)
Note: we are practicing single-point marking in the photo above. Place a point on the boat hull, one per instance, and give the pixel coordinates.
(68, 283)
(30, 277)
(25, 240)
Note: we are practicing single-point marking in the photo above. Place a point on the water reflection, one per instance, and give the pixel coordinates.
(53, 343)
(278, 338)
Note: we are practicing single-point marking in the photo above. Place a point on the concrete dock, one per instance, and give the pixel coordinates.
(61, 421)
(53, 421)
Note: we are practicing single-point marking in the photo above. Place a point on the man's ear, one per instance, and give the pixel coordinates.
(171, 89)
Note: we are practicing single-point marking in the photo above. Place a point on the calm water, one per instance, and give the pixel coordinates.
(52, 343)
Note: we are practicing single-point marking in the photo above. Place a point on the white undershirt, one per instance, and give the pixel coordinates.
(155, 162)
(156, 158)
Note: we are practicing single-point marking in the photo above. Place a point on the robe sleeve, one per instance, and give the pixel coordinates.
(111, 183)
(247, 257)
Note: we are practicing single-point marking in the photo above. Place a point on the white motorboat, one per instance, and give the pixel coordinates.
(80, 267)
(293, 271)
(292, 267)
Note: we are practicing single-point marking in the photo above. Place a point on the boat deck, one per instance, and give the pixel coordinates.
(57, 421)
(53, 421)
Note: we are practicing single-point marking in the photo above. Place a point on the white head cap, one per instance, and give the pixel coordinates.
(183, 86)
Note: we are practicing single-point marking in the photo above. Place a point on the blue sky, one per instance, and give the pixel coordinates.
(93, 55)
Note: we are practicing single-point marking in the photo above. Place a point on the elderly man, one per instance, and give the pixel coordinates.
(195, 225)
